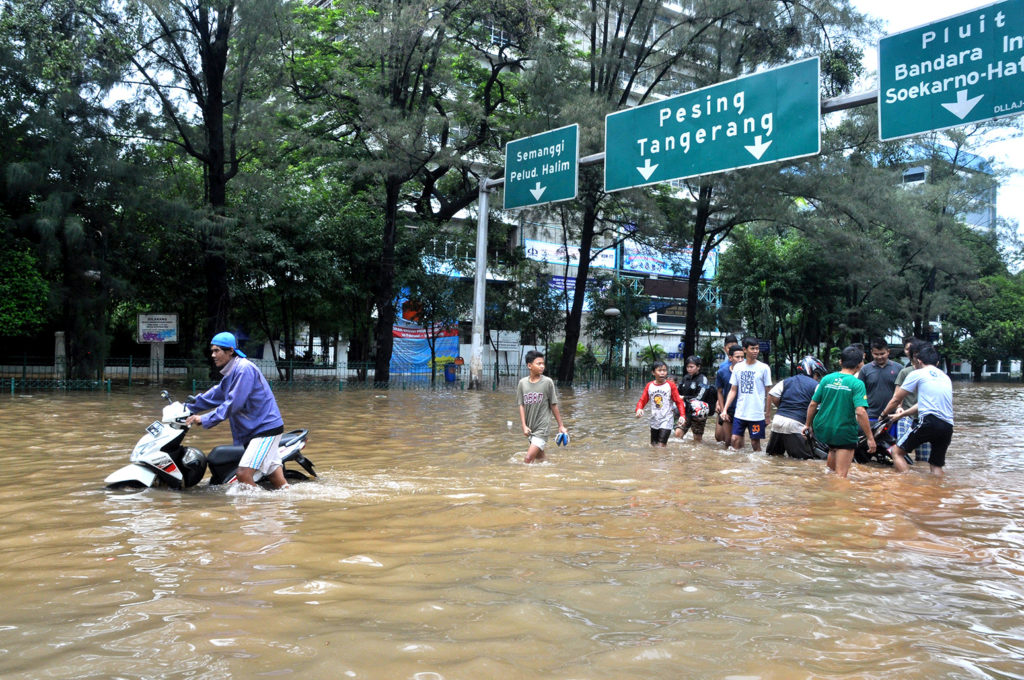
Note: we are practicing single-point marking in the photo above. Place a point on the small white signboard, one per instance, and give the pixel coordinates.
(504, 341)
(158, 328)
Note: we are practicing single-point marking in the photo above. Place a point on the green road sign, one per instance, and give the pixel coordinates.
(756, 119)
(962, 69)
(542, 168)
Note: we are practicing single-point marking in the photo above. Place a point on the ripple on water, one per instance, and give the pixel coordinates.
(428, 549)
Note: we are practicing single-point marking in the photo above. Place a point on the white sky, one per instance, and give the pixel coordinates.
(900, 15)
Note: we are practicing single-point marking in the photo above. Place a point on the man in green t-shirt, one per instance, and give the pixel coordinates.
(838, 406)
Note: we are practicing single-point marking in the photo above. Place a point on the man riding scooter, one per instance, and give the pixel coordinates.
(244, 399)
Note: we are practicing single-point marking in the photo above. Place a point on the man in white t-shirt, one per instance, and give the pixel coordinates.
(750, 382)
(934, 409)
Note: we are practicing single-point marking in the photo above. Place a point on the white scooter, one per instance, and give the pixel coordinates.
(160, 459)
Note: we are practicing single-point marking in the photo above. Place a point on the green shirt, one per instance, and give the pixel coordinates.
(838, 396)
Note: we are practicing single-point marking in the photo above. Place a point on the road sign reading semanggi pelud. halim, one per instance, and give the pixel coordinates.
(542, 168)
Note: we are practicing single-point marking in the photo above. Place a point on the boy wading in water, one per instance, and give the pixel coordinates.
(662, 394)
(537, 399)
(838, 406)
(749, 383)
(694, 387)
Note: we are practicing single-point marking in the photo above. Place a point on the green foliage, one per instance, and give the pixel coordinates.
(853, 253)
(526, 304)
(651, 353)
(841, 65)
(412, 98)
(303, 253)
(69, 185)
(586, 360)
(23, 293)
(393, 114)
(617, 330)
(585, 357)
(987, 324)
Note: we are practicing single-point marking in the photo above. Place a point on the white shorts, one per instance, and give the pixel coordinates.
(538, 442)
(262, 454)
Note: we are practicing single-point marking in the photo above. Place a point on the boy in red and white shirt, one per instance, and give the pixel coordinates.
(662, 394)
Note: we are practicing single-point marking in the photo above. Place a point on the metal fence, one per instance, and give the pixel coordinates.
(26, 374)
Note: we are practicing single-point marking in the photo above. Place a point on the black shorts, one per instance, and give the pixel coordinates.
(696, 426)
(793, 444)
(660, 436)
(932, 430)
(844, 447)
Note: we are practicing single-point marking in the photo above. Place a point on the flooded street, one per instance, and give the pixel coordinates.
(428, 551)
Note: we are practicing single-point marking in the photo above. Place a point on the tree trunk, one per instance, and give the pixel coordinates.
(384, 298)
(697, 259)
(574, 321)
(215, 58)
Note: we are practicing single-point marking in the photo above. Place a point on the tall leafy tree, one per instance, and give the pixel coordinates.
(858, 253)
(300, 252)
(633, 50)
(413, 94)
(937, 252)
(987, 324)
(70, 185)
(204, 67)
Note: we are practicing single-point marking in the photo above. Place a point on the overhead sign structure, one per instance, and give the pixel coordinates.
(542, 168)
(963, 69)
(761, 118)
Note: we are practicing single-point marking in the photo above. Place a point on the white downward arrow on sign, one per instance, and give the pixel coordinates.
(757, 149)
(538, 191)
(647, 170)
(963, 105)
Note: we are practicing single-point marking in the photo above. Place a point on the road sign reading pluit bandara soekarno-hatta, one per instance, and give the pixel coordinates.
(962, 69)
(752, 120)
(543, 168)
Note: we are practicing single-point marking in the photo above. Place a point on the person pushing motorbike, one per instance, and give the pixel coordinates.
(244, 399)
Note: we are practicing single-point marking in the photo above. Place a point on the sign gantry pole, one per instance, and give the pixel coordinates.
(476, 360)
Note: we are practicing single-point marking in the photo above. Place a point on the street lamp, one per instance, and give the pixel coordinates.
(611, 313)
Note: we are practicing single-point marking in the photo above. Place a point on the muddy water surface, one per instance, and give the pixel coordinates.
(428, 551)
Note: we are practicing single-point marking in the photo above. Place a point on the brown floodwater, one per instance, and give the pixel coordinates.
(428, 551)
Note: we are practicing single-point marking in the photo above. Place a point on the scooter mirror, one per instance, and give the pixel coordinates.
(190, 399)
(164, 394)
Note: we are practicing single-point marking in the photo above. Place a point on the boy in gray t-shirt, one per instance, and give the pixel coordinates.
(538, 400)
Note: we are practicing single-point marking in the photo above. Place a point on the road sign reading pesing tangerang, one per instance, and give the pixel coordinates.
(962, 69)
(761, 118)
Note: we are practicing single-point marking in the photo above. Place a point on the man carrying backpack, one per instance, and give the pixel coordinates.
(791, 397)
